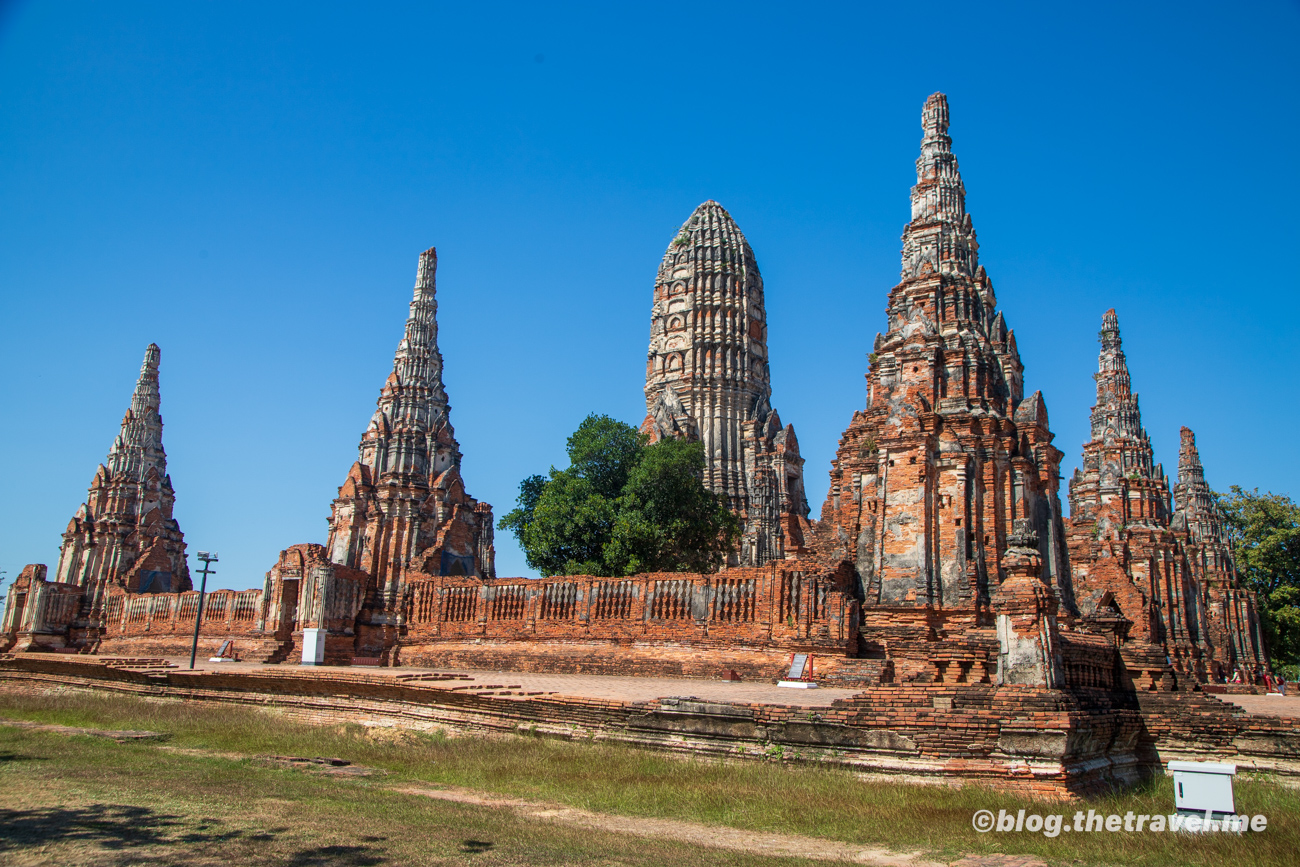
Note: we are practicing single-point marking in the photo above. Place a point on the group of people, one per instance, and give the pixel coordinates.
(1272, 682)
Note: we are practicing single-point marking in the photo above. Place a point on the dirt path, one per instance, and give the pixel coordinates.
(697, 834)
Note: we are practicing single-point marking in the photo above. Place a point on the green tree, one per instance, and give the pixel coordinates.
(1265, 533)
(564, 521)
(667, 520)
(604, 452)
(570, 527)
(621, 507)
(530, 491)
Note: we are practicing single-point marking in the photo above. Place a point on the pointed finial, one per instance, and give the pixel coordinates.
(1109, 333)
(1189, 459)
(138, 446)
(428, 269)
(940, 236)
(934, 117)
(145, 398)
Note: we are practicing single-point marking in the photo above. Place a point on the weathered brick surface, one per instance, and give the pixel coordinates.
(122, 538)
(1050, 742)
(707, 379)
(124, 535)
(403, 505)
(795, 605)
(150, 624)
(928, 480)
(39, 614)
(631, 659)
(943, 494)
(1142, 570)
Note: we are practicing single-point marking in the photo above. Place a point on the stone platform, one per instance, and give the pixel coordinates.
(593, 686)
(1267, 705)
(1050, 743)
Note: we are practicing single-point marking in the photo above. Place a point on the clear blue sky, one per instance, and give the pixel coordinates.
(249, 185)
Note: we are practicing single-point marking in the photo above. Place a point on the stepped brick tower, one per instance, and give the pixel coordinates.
(1195, 511)
(1117, 461)
(1124, 559)
(1231, 613)
(707, 379)
(949, 459)
(1149, 575)
(403, 505)
(124, 534)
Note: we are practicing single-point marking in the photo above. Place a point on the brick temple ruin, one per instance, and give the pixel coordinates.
(1153, 574)
(988, 633)
(707, 379)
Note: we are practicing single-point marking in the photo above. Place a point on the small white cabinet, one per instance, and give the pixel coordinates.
(313, 646)
(1201, 786)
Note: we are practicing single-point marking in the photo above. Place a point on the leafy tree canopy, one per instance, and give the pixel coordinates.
(622, 507)
(668, 521)
(1265, 533)
(604, 452)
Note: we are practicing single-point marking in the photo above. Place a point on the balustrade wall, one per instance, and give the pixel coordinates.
(764, 607)
(226, 613)
(778, 607)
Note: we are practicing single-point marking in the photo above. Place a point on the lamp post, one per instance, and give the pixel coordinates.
(208, 560)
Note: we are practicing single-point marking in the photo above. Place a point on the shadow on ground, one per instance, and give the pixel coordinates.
(131, 831)
(16, 757)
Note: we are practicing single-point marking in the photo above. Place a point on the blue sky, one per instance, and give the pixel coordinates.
(249, 185)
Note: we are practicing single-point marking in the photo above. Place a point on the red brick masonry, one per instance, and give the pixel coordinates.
(1043, 741)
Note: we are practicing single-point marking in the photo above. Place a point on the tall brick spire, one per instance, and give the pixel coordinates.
(404, 496)
(139, 444)
(1193, 500)
(125, 534)
(1171, 577)
(707, 378)
(1119, 520)
(1117, 461)
(930, 480)
(1230, 612)
(940, 232)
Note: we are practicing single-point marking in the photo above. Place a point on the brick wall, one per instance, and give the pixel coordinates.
(782, 608)
(163, 623)
(1049, 742)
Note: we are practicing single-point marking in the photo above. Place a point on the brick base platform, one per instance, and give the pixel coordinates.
(609, 658)
(1048, 742)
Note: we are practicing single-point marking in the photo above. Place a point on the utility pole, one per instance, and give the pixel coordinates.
(208, 560)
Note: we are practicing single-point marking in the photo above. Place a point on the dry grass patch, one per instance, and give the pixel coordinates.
(762, 796)
(76, 800)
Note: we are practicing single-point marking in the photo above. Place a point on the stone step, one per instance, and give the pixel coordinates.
(857, 672)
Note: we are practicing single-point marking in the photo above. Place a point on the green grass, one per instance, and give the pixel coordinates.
(766, 796)
(91, 801)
